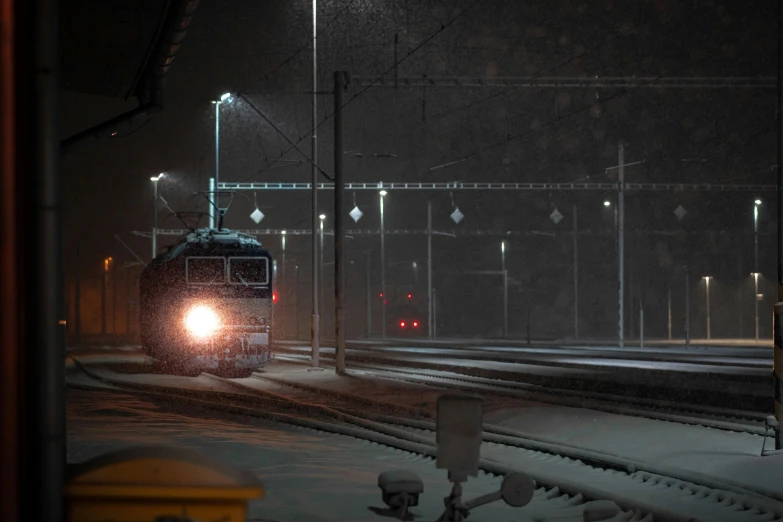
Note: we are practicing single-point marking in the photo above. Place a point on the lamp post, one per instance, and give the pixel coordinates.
(315, 326)
(382, 193)
(224, 98)
(505, 286)
(756, 273)
(707, 297)
(155, 180)
(756, 301)
(321, 218)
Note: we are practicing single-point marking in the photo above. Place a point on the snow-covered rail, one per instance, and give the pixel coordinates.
(638, 488)
(680, 412)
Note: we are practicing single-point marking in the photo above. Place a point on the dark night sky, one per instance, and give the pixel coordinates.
(233, 45)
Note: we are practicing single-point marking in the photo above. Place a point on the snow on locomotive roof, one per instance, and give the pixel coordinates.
(223, 236)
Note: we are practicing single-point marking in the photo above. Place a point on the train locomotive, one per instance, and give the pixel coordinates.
(207, 303)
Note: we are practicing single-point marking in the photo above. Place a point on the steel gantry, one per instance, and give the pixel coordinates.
(534, 186)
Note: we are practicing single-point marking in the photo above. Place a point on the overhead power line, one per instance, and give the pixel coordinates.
(576, 82)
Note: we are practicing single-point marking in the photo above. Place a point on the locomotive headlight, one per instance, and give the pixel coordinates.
(202, 321)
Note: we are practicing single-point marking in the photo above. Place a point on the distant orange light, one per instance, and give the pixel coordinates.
(380, 295)
(274, 297)
(410, 295)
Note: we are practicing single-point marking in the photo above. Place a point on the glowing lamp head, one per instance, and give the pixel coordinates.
(757, 202)
(201, 321)
(607, 203)
(383, 193)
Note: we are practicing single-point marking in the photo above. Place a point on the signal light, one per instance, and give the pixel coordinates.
(415, 324)
(410, 295)
(402, 324)
(380, 295)
(274, 297)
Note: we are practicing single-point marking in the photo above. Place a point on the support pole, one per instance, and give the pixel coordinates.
(707, 296)
(128, 303)
(104, 275)
(687, 309)
(339, 224)
(368, 289)
(669, 322)
(430, 303)
(641, 324)
(77, 311)
(621, 240)
(434, 314)
(777, 365)
(113, 275)
(383, 271)
(155, 218)
(211, 209)
(505, 286)
(576, 279)
(315, 325)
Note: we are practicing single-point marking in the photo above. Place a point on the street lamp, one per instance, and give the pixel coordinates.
(155, 180)
(224, 98)
(707, 296)
(383, 193)
(505, 286)
(607, 203)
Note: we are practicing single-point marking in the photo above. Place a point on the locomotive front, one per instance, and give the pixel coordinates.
(208, 302)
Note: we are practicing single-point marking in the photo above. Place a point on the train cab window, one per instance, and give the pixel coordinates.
(248, 270)
(205, 270)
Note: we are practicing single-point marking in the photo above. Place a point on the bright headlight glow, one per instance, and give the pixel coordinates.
(201, 321)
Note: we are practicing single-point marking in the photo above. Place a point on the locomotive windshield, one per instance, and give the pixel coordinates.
(248, 270)
(205, 270)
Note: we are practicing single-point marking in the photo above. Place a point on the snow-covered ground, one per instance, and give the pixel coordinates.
(328, 459)
(308, 475)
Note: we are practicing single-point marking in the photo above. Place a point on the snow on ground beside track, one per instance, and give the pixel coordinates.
(729, 456)
(307, 475)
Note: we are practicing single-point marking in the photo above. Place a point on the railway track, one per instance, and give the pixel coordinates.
(641, 490)
(670, 411)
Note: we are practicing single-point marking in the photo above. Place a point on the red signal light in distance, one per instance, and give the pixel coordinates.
(415, 324)
(410, 295)
(274, 297)
(402, 324)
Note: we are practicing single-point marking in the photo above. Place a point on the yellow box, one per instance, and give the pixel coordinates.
(147, 484)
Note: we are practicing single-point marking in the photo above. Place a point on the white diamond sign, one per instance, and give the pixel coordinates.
(556, 216)
(356, 214)
(257, 216)
(680, 212)
(457, 216)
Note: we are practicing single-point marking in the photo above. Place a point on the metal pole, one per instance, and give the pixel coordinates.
(339, 227)
(670, 312)
(505, 286)
(114, 299)
(756, 301)
(103, 297)
(368, 290)
(315, 326)
(383, 272)
(434, 314)
(154, 218)
(777, 364)
(321, 277)
(708, 308)
(576, 279)
(641, 324)
(127, 302)
(77, 312)
(687, 309)
(215, 197)
(756, 266)
(282, 268)
(211, 198)
(620, 239)
(429, 268)
(529, 309)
